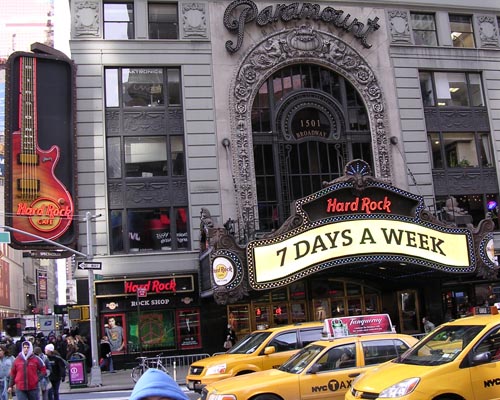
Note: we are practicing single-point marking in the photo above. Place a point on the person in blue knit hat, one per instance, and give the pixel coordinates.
(157, 385)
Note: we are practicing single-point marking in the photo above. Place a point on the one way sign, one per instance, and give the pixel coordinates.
(89, 265)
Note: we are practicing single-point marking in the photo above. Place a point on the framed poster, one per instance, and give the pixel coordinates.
(188, 329)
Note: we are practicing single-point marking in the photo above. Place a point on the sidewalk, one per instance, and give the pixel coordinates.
(120, 380)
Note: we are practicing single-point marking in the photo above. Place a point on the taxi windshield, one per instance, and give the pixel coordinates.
(297, 363)
(441, 346)
(249, 343)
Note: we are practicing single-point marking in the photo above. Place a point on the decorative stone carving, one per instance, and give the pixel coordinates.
(298, 45)
(142, 122)
(456, 120)
(488, 31)
(399, 26)
(87, 18)
(194, 20)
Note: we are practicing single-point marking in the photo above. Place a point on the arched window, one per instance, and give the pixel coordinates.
(307, 123)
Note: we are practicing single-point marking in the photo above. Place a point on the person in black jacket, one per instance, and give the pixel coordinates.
(106, 356)
(58, 371)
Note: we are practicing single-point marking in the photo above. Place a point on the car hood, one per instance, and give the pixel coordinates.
(220, 359)
(255, 380)
(381, 377)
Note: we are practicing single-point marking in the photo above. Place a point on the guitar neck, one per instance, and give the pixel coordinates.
(28, 114)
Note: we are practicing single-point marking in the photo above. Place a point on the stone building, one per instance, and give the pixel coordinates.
(229, 112)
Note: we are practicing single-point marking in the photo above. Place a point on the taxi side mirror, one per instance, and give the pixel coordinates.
(269, 350)
(481, 358)
(315, 368)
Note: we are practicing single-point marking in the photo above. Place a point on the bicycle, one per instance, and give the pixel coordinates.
(145, 363)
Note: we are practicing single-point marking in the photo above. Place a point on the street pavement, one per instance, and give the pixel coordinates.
(120, 380)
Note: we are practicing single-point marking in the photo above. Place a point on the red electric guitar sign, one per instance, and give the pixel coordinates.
(38, 202)
(42, 205)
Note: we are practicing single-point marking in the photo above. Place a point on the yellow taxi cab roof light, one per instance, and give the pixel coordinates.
(357, 325)
(491, 310)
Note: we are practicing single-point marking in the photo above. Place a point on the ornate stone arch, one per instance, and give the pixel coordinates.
(291, 46)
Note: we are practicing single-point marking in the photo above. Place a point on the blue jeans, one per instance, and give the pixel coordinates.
(107, 363)
(27, 394)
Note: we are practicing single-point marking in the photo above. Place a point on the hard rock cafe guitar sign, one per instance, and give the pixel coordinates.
(39, 203)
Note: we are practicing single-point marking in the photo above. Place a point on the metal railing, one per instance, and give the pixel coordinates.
(177, 366)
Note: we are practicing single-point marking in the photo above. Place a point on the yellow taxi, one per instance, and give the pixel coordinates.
(258, 351)
(459, 360)
(324, 369)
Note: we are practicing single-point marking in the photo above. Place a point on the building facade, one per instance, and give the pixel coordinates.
(226, 113)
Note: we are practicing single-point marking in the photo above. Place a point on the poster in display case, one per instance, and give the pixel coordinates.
(188, 329)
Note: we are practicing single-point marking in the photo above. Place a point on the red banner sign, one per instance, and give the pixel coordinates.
(358, 325)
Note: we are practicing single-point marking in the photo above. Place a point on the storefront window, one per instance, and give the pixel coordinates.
(298, 312)
(155, 330)
(238, 318)
(262, 316)
(280, 314)
(409, 314)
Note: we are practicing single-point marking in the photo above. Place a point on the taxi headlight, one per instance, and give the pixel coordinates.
(216, 369)
(400, 389)
(215, 396)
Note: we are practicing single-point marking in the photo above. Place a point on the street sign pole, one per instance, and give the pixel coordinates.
(95, 374)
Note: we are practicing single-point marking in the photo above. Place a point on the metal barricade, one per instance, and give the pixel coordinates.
(178, 366)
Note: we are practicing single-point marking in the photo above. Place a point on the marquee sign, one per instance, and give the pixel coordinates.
(358, 219)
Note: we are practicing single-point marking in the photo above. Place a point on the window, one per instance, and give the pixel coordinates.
(460, 149)
(163, 21)
(142, 87)
(462, 33)
(145, 150)
(379, 351)
(146, 156)
(451, 89)
(424, 29)
(289, 167)
(284, 341)
(149, 229)
(119, 20)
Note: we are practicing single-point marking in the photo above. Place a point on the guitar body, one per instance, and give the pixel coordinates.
(41, 204)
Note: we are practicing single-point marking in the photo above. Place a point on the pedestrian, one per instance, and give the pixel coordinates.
(230, 337)
(155, 384)
(71, 347)
(6, 361)
(24, 373)
(106, 361)
(58, 370)
(428, 325)
(43, 381)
